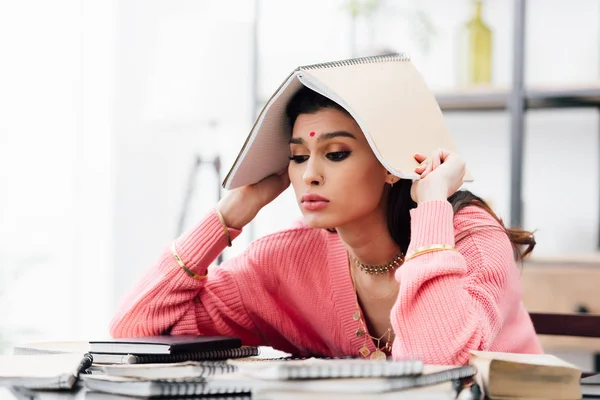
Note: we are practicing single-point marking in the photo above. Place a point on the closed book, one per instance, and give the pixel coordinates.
(164, 344)
(223, 354)
(509, 375)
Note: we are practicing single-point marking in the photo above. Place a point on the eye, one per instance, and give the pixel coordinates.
(298, 159)
(338, 155)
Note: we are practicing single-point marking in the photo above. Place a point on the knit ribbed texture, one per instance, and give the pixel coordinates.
(292, 290)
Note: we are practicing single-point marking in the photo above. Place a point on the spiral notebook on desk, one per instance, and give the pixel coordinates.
(48, 371)
(221, 384)
(240, 352)
(239, 382)
(320, 368)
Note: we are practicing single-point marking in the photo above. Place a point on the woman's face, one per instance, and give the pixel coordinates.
(336, 177)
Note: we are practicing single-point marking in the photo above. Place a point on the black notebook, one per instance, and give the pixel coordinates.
(165, 344)
(240, 352)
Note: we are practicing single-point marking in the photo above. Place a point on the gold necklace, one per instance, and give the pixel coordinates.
(380, 269)
(379, 297)
(380, 352)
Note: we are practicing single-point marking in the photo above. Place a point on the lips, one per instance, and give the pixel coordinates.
(312, 197)
(313, 202)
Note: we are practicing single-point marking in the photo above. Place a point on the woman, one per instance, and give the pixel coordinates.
(380, 266)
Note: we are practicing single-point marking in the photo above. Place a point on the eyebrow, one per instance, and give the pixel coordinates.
(325, 136)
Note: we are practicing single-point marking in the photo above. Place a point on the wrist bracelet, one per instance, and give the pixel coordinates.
(429, 249)
(182, 265)
(225, 228)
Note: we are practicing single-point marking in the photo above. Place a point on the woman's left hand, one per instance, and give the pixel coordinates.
(441, 173)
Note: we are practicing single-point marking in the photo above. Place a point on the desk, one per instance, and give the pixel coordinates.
(83, 394)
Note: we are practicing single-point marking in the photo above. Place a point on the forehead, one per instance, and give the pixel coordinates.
(323, 121)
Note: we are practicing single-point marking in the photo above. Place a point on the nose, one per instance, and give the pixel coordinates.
(313, 174)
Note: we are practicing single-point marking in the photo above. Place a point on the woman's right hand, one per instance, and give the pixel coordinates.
(241, 205)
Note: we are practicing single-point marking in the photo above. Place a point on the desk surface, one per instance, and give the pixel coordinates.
(83, 394)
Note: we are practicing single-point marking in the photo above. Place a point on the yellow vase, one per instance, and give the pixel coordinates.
(475, 50)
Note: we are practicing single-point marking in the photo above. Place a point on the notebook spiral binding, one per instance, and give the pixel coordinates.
(195, 387)
(359, 61)
(373, 370)
(444, 376)
(246, 351)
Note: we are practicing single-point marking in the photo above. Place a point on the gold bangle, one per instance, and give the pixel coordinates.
(182, 265)
(429, 249)
(225, 228)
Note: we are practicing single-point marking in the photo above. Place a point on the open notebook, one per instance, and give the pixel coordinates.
(387, 97)
(48, 371)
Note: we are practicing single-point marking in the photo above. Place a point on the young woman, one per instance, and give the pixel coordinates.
(379, 267)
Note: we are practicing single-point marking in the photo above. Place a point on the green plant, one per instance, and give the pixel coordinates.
(418, 22)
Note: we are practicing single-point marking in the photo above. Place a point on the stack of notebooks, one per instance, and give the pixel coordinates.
(169, 349)
(151, 349)
(58, 365)
(267, 379)
(145, 368)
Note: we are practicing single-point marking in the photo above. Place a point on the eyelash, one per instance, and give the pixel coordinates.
(335, 156)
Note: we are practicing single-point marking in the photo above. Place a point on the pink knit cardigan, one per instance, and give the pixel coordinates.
(292, 290)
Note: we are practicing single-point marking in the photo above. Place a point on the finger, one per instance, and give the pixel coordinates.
(429, 167)
(420, 157)
(422, 167)
(444, 154)
(435, 160)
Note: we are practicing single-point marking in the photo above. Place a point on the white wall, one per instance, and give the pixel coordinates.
(55, 168)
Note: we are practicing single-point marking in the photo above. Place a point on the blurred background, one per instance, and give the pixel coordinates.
(119, 120)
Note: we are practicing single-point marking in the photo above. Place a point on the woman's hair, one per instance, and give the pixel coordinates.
(307, 101)
(400, 202)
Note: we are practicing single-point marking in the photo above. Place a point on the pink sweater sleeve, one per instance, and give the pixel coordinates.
(467, 287)
(166, 299)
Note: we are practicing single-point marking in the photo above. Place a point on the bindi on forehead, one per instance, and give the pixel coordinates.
(312, 134)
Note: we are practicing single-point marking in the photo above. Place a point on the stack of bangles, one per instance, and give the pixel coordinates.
(419, 251)
(180, 261)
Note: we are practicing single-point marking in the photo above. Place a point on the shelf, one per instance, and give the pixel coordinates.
(473, 99)
(496, 99)
(581, 96)
(583, 260)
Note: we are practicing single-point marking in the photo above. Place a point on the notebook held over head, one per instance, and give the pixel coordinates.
(387, 97)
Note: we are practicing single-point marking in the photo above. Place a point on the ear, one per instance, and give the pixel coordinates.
(391, 179)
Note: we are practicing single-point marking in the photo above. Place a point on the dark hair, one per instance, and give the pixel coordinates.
(400, 202)
(307, 101)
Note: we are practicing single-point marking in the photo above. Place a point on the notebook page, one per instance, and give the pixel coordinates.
(326, 368)
(39, 366)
